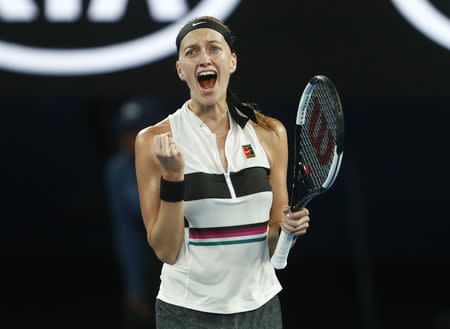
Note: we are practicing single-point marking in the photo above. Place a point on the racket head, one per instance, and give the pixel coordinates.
(319, 141)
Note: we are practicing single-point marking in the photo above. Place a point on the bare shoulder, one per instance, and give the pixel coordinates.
(147, 164)
(146, 135)
(273, 133)
(273, 138)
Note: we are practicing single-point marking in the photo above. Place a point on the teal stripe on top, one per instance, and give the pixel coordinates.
(217, 243)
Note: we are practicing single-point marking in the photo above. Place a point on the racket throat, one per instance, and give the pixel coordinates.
(304, 201)
(303, 189)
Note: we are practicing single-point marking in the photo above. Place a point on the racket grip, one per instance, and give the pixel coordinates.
(279, 257)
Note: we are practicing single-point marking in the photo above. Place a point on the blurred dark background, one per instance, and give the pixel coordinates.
(377, 253)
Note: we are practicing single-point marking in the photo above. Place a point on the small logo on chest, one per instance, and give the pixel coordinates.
(248, 151)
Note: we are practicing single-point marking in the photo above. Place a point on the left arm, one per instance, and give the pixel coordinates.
(276, 148)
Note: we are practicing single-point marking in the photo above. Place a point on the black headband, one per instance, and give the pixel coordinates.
(203, 23)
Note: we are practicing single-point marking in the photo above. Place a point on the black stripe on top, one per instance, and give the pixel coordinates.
(200, 185)
(251, 180)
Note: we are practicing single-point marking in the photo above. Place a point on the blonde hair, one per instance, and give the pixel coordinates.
(266, 122)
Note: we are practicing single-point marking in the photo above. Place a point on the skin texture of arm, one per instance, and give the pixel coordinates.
(276, 147)
(156, 156)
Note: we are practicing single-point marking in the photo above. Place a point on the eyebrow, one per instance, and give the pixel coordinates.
(196, 44)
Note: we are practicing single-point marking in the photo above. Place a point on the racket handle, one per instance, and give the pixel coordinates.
(279, 257)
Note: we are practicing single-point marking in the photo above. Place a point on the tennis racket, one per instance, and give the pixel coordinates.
(319, 141)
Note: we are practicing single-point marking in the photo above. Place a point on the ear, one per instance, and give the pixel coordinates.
(233, 63)
(180, 73)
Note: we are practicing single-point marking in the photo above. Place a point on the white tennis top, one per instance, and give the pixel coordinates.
(224, 264)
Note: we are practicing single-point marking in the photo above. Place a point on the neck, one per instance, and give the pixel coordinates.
(210, 113)
(215, 117)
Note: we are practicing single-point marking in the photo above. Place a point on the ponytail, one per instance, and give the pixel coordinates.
(249, 111)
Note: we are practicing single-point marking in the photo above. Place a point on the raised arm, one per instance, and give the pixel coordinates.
(158, 156)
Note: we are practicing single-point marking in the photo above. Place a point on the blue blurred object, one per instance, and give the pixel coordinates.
(138, 113)
(139, 266)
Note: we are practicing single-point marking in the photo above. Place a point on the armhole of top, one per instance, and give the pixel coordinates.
(260, 143)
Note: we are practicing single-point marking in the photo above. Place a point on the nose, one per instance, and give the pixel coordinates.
(205, 59)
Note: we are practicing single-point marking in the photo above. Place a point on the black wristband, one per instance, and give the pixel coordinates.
(171, 191)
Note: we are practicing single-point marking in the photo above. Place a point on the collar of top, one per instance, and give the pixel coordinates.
(240, 119)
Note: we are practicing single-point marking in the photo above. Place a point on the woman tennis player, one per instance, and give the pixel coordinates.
(212, 185)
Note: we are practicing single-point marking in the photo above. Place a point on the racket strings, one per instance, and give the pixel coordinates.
(318, 137)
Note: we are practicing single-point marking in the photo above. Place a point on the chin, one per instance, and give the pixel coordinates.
(208, 100)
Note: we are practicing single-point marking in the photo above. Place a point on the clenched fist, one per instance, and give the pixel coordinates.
(169, 156)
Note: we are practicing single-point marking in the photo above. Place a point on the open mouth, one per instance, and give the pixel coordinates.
(207, 79)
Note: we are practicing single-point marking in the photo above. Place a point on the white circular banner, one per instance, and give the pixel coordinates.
(427, 19)
(153, 47)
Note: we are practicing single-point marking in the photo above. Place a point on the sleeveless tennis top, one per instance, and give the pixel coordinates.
(224, 264)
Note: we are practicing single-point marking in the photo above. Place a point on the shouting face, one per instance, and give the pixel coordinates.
(205, 63)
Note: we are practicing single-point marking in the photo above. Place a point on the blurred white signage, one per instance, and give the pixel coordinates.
(427, 19)
(115, 57)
